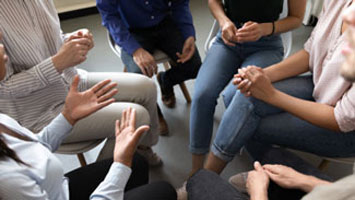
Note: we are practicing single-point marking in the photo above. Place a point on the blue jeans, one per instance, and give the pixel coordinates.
(221, 63)
(249, 119)
(167, 38)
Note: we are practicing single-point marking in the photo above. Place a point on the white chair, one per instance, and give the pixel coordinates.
(160, 58)
(79, 148)
(286, 37)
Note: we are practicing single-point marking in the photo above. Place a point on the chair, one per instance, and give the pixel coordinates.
(160, 58)
(325, 162)
(286, 37)
(79, 148)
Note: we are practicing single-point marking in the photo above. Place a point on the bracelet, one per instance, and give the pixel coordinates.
(273, 29)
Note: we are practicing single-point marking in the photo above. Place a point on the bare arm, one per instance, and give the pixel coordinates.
(296, 9)
(295, 65)
(217, 10)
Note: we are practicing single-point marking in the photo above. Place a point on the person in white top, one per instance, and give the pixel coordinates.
(29, 169)
(41, 67)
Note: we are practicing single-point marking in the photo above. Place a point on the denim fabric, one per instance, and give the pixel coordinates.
(167, 38)
(249, 118)
(221, 63)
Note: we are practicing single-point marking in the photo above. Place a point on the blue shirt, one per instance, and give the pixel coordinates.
(119, 16)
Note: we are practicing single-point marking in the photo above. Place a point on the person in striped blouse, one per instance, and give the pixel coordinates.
(41, 65)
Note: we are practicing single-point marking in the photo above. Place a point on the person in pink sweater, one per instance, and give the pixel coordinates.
(313, 113)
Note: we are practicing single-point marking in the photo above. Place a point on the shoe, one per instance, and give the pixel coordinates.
(163, 126)
(167, 94)
(239, 182)
(153, 159)
(181, 192)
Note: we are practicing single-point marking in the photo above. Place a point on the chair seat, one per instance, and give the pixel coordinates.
(78, 147)
(350, 160)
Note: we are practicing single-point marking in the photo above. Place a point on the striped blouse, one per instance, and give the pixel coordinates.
(33, 92)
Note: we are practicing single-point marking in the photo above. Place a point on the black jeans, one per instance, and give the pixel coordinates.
(166, 37)
(206, 185)
(83, 182)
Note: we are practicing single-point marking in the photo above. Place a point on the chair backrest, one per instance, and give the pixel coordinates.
(286, 37)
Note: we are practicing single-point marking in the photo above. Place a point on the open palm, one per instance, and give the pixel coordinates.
(81, 104)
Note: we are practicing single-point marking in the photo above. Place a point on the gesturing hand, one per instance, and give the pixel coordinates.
(81, 104)
(82, 33)
(145, 62)
(258, 181)
(285, 177)
(229, 31)
(127, 137)
(252, 31)
(188, 50)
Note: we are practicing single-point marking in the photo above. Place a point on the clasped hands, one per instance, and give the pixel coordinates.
(146, 61)
(252, 81)
(250, 32)
(74, 50)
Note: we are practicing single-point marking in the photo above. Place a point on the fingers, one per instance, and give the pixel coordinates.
(75, 83)
(244, 86)
(105, 89)
(123, 119)
(257, 166)
(100, 85)
(128, 115)
(107, 96)
(117, 127)
(139, 132)
(132, 120)
(274, 169)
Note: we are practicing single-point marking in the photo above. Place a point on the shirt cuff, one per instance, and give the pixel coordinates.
(65, 125)
(47, 72)
(131, 46)
(118, 175)
(188, 32)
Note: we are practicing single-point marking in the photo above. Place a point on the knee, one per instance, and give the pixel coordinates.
(205, 95)
(146, 86)
(142, 117)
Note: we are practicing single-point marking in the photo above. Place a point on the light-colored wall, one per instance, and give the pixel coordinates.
(70, 5)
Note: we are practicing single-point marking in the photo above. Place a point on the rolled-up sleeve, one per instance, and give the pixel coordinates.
(345, 111)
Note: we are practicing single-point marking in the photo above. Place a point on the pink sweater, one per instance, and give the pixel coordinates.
(324, 47)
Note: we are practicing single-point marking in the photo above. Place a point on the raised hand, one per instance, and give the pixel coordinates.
(187, 51)
(79, 105)
(145, 62)
(82, 33)
(72, 53)
(127, 137)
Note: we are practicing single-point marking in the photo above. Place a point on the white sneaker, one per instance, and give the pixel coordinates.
(181, 192)
(153, 159)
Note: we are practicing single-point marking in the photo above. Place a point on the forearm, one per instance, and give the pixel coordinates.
(310, 182)
(315, 113)
(294, 18)
(260, 195)
(294, 65)
(217, 10)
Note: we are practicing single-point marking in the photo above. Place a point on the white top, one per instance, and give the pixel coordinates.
(33, 92)
(324, 47)
(44, 179)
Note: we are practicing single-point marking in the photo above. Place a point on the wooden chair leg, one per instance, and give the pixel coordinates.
(166, 65)
(124, 69)
(82, 160)
(323, 165)
(185, 92)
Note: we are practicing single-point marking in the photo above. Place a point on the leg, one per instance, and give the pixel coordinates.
(156, 191)
(206, 185)
(93, 174)
(216, 71)
(100, 125)
(242, 117)
(171, 41)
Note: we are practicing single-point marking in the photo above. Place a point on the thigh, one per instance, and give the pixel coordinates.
(207, 185)
(292, 132)
(84, 181)
(131, 87)
(218, 68)
(156, 191)
(101, 124)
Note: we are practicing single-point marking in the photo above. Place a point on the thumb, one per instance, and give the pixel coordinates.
(75, 83)
(139, 132)
(258, 166)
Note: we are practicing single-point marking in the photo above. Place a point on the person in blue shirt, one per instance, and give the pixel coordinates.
(140, 27)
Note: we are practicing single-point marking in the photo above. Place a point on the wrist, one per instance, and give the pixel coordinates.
(57, 63)
(259, 195)
(308, 183)
(267, 28)
(68, 117)
(124, 162)
(223, 21)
